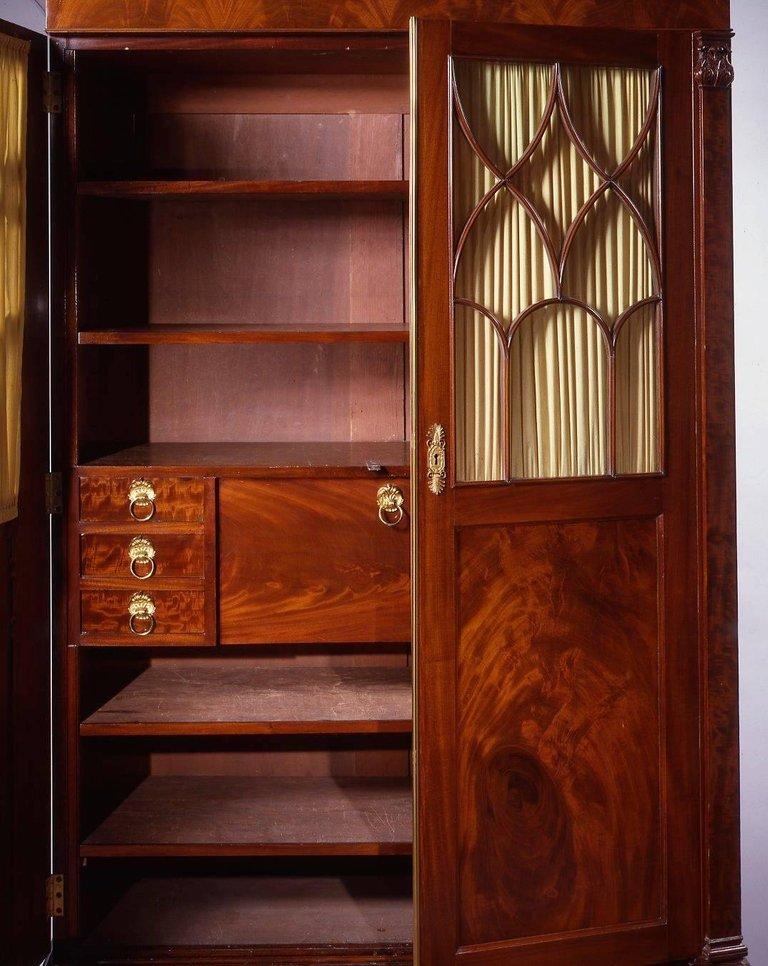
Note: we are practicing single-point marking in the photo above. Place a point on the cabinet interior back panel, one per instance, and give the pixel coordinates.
(240, 393)
(263, 262)
(277, 146)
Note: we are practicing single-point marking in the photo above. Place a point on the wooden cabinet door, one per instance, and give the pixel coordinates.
(25, 751)
(555, 497)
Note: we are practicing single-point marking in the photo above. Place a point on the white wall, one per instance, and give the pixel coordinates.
(750, 156)
(27, 13)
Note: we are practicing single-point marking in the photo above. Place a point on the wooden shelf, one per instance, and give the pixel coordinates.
(219, 698)
(271, 911)
(202, 815)
(238, 190)
(328, 460)
(228, 334)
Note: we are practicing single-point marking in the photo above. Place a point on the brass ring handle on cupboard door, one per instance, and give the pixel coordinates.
(141, 554)
(141, 611)
(390, 502)
(141, 500)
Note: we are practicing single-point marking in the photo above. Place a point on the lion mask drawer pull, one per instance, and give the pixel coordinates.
(141, 609)
(141, 500)
(390, 502)
(142, 558)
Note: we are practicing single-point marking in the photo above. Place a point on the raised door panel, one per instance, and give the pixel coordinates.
(558, 728)
(309, 561)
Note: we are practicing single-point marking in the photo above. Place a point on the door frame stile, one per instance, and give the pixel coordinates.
(712, 78)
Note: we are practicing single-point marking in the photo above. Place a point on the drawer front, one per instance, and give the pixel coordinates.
(142, 558)
(145, 499)
(118, 617)
(309, 561)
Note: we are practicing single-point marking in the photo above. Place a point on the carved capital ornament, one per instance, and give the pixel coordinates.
(714, 67)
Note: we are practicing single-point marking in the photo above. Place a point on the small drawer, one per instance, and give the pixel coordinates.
(142, 617)
(140, 499)
(142, 557)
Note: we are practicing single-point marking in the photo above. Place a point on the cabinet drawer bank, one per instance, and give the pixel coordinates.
(174, 559)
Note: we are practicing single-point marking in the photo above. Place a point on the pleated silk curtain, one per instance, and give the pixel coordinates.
(556, 306)
(13, 198)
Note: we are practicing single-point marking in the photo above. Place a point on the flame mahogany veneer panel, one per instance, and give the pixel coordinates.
(176, 555)
(211, 15)
(309, 561)
(559, 728)
(179, 616)
(178, 500)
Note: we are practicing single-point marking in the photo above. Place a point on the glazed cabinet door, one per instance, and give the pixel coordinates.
(25, 749)
(556, 617)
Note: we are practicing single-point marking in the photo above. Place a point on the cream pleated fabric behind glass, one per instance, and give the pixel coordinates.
(540, 382)
(13, 199)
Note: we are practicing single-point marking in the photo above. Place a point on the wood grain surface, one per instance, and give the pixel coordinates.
(310, 562)
(238, 190)
(343, 147)
(179, 617)
(210, 15)
(559, 730)
(176, 555)
(217, 816)
(202, 334)
(105, 499)
(300, 261)
(269, 911)
(270, 459)
(230, 698)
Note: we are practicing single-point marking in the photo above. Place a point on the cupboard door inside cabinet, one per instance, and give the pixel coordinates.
(313, 561)
(25, 749)
(556, 623)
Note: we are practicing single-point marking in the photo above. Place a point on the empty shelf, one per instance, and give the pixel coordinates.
(235, 816)
(270, 911)
(219, 698)
(237, 190)
(178, 334)
(268, 459)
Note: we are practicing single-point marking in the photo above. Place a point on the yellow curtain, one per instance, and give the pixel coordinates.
(13, 200)
(540, 382)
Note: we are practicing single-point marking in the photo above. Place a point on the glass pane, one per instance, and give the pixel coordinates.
(555, 223)
(637, 393)
(479, 401)
(558, 379)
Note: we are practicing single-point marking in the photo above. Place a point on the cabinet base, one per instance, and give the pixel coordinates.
(730, 950)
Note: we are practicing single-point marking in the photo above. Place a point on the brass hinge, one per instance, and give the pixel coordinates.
(54, 896)
(54, 500)
(52, 92)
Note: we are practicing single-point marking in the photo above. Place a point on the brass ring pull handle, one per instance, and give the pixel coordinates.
(390, 502)
(141, 554)
(141, 610)
(141, 500)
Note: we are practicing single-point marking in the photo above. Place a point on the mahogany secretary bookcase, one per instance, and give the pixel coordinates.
(394, 361)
